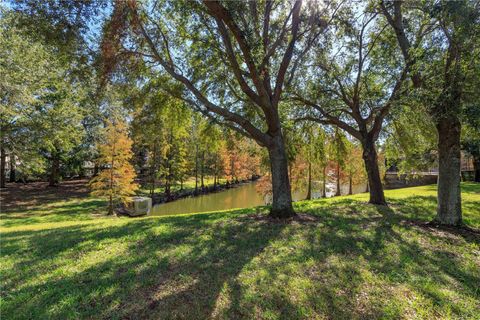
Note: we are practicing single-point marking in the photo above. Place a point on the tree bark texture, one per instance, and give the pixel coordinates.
(282, 197)
(449, 210)
(2, 167)
(375, 187)
(53, 181)
(13, 175)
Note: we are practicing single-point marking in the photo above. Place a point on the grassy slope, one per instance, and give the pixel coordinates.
(354, 261)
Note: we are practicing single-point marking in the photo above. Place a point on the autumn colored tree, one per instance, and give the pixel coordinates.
(240, 158)
(354, 167)
(116, 181)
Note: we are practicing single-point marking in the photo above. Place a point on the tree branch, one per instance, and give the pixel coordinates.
(287, 57)
(255, 133)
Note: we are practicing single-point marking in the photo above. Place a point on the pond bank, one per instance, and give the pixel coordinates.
(159, 198)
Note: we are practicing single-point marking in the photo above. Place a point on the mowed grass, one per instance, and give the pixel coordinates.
(350, 261)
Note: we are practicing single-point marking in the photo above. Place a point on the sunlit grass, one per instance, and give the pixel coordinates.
(353, 261)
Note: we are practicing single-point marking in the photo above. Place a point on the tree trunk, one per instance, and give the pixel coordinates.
(2, 167)
(153, 169)
(202, 168)
(476, 169)
(168, 193)
(216, 182)
(12, 168)
(196, 169)
(95, 169)
(324, 190)
(374, 181)
(350, 183)
(449, 210)
(282, 194)
(338, 192)
(112, 166)
(110, 206)
(152, 182)
(53, 182)
(309, 187)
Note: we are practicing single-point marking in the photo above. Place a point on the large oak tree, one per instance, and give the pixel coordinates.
(233, 59)
(352, 81)
(439, 41)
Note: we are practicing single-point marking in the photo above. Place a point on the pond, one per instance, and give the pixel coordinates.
(244, 196)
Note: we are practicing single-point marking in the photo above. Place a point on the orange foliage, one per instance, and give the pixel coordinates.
(240, 159)
(116, 181)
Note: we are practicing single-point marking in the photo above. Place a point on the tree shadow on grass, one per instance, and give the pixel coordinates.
(19, 196)
(392, 249)
(175, 273)
(471, 187)
(347, 264)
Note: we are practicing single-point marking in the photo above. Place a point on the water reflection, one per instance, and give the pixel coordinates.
(244, 196)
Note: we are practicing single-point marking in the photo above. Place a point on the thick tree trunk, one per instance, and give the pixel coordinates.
(2, 167)
(449, 210)
(374, 181)
(13, 177)
(476, 169)
(309, 187)
(54, 171)
(282, 195)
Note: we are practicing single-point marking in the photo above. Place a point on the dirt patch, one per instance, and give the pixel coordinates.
(22, 196)
(301, 218)
(465, 232)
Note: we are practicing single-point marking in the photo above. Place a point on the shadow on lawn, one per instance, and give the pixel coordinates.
(191, 267)
(153, 278)
(389, 253)
(19, 196)
(471, 187)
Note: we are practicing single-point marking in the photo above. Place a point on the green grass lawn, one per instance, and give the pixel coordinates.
(344, 260)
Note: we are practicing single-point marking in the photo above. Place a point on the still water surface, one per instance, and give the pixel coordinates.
(244, 196)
